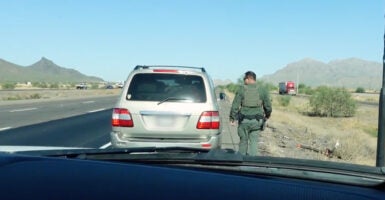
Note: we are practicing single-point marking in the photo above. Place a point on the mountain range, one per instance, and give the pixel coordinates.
(348, 73)
(43, 70)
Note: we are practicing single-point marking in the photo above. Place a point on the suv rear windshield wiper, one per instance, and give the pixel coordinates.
(174, 99)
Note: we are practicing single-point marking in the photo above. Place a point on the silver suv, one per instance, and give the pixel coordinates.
(167, 106)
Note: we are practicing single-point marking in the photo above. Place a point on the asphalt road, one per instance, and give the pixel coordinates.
(17, 115)
(75, 123)
(86, 130)
(81, 122)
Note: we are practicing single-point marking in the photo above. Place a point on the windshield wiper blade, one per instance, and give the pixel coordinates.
(172, 98)
(109, 153)
(147, 154)
(166, 155)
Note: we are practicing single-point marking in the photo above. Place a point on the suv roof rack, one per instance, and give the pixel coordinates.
(167, 66)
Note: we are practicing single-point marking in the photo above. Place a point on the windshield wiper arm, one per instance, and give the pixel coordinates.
(172, 98)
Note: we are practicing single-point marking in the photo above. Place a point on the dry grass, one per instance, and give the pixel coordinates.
(355, 134)
(290, 126)
(368, 97)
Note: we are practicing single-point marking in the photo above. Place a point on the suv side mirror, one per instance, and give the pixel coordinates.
(222, 96)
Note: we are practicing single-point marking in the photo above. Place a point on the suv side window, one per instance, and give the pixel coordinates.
(157, 87)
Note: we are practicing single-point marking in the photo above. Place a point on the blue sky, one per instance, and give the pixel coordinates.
(227, 37)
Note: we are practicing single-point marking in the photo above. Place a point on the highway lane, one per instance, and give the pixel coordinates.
(86, 130)
(16, 115)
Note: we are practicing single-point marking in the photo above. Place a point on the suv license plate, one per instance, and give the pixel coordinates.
(165, 121)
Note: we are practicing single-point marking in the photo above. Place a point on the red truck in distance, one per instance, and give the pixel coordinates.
(287, 87)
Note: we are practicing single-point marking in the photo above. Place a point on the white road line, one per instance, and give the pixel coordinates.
(5, 128)
(24, 109)
(92, 111)
(86, 102)
(105, 146)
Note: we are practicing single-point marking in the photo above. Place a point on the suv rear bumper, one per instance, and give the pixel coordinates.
(213, 143)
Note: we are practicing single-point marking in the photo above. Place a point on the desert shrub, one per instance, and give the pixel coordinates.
(284, 100)
(309, 91)
(332, 102)
(232, 87)
(360, 90)
(54, 86)
(94, 86)
(12, 98)
(35, 96)
(267, 86)
(8, 86)
(304, 89)
(40, 84)
(220, 87)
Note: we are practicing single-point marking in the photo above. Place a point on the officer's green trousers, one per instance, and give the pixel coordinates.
(248, 131)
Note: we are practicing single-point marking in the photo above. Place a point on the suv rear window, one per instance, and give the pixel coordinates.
(166, 87)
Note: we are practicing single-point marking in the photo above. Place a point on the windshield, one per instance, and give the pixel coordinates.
(298, 79)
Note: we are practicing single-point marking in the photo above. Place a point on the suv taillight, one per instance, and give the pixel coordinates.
(122, 117)
(208, 120)
(166, 70)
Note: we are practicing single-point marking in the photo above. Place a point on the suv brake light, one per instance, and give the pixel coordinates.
(122, 117)
(209, 120)
(166, 70)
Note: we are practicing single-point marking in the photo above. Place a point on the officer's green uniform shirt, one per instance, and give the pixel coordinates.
(263, 95)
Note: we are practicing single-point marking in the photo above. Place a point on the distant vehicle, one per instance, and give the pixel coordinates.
(120, 85)
(167, 106)
(287, 87)
(81, 86)
(109, 87)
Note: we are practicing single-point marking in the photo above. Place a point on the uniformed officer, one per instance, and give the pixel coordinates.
(251, 107)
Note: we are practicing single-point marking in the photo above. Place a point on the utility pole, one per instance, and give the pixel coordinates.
(297, 82)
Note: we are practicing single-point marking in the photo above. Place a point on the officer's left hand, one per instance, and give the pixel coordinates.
(232, 123)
